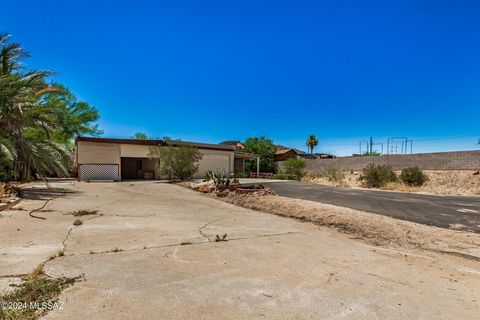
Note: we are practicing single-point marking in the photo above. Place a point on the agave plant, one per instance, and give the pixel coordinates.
(220, 180)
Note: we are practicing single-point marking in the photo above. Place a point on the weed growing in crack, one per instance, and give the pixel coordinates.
(81, 213)
(59, 253)
(222, 238)
(116, 250)
(77, 222)
(36, 290)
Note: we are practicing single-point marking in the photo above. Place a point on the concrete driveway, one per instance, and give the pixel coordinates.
(152, 255)
(456, 212)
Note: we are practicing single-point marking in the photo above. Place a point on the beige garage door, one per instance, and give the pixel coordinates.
(219, 162)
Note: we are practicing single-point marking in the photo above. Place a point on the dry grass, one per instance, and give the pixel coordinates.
(36, 289)
(81, 213)
(459, 182)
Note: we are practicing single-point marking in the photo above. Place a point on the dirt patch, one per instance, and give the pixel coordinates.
(462, 182)
(374, 229)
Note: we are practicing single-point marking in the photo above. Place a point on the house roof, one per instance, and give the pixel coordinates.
(245, 155)
(200, 145)
(123, 141)
(283, 151)
(154, 142)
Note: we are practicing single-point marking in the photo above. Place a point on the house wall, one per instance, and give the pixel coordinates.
(215, 160)
(134, 151)
(111, 153)
(99, 153)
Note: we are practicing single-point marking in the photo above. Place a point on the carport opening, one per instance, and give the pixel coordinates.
(137, 168)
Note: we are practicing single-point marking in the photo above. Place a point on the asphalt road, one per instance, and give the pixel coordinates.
(454, 212)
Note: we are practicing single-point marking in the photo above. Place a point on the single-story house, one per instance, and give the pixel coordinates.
(284, 154)
(122, 159)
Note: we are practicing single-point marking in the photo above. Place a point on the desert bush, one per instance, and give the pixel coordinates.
(333, 174)
(176, 163)
(36, 290)
(220, 180)
(376, 176)
(413, 176)
(293, 166)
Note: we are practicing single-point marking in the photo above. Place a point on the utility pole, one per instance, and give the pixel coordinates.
(371, 145)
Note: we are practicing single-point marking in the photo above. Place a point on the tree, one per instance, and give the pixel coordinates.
(265, 149)
(311, 142)
(37, 118)
(139, 136)
(374, 153)
(74, 117)
(294, 166)
(176, 163)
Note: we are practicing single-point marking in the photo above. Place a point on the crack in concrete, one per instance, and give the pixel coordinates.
(184, 244)
(207, 224)
(19, 275)
(69, 232)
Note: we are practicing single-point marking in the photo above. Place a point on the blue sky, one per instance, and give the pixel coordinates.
(225, 70)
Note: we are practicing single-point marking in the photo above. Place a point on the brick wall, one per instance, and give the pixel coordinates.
(459, 160)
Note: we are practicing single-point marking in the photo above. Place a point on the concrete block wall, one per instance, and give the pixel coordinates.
(459, 160)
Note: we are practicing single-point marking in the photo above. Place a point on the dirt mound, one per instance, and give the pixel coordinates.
(375, 229)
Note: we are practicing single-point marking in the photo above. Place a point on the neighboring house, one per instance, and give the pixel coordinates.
(316, 156)
(284, 154)
(237, 144)
(121, 159)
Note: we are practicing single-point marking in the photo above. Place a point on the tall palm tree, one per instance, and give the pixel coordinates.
(25, 118)
(311, 142)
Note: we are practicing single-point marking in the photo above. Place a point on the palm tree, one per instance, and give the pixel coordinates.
(30, 123)
(311, 142)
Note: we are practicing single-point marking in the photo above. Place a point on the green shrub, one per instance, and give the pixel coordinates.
(333, 174)
(413, 176)
(376, 176)
(294, 166)
(175, 162)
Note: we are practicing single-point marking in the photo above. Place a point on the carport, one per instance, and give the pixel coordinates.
(239, 163)
(137, 168)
